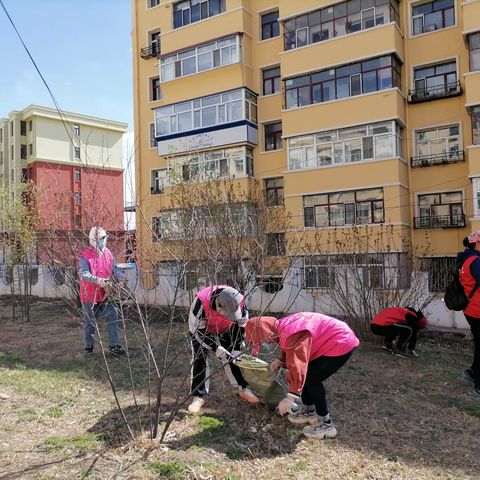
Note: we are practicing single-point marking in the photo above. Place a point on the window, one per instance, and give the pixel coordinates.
(436, 79)
(270, 26)
(13, 174)
(155, 90)
(77, 152)
(273, 136)
(11, 129)
(78, 220)
(213, 165)
(439, 272)
(440, 210)
(206, 112)
(30, 149)
(78, 175)
(1, 157)
(30, 125)
(476, 125)
(438, 142)
(12, 153)
(153, 3)
(474, 48)
(159, 178)
(367, 142)
(76, 130)
(428, 17)
(271, 81)
(155, 43)
(274, 191)
(1, 135)
(153, 141)
(342, 82)
(161, 227)
(276, 244)
(359, 207)
(24, 174)
(23, 152)
(191, 11)
(23, 128)
(319, 274)
(338, 20)
(207, 56)
(78, 198)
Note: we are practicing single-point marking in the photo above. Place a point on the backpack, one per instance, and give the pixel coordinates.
(455, 298)
(271, 388)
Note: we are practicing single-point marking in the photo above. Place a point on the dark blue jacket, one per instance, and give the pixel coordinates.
(474, 267)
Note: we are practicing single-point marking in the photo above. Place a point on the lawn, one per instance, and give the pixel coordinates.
(397, 418)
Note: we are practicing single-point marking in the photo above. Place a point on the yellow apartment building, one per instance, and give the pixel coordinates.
(358, 112)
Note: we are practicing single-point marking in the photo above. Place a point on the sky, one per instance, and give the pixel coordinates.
(83, 49)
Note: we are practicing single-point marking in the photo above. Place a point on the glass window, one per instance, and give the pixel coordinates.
(270, 26)
(474, 49)
(271, 81)
(432, 16)
(437, 144)
(273, 136)
(190, 11)
(476, 124)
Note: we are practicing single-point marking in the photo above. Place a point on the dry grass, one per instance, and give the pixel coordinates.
(397, 419)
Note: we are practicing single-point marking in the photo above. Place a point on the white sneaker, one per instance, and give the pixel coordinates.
(301, 417)
(320, 431)
(247, 395)
(196, 405)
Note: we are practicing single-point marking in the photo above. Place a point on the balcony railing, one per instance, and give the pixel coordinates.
(437, 159)
(428, 94)
(150, 52)
(440, 221)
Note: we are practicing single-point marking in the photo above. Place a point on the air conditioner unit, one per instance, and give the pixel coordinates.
(430, 28)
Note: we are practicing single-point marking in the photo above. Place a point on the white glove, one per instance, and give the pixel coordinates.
(222, 352)
(285, 406)
(103, 282)
(275, 365)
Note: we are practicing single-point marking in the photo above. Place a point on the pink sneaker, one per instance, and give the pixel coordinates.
(247, 395)
(196, 405)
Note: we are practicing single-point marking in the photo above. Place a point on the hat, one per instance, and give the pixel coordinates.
(96, 233)
(474, 237)
(231, 300)
(261, 329)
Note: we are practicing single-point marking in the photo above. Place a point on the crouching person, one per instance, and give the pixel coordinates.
(216, 323)
(314, 347)
(399, 322)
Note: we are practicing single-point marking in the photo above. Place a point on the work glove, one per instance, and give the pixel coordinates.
(103, 282)
(285, 406)
(275, 365)
(221, 352)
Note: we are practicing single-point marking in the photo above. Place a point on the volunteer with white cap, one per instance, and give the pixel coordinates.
(216, 322)
(97, 266)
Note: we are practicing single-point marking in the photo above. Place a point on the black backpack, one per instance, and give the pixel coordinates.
(455, 298)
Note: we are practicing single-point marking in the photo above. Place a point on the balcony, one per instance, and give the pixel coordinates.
(150, 52)
(435, 92)
(440, 221)
(437, 159)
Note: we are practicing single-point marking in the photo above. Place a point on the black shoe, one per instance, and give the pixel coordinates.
(117, 350)
(88, 351)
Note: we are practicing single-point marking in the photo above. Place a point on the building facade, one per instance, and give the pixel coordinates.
(75, 160)
(348, 113)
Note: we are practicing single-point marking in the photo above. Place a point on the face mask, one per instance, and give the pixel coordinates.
(102, 242)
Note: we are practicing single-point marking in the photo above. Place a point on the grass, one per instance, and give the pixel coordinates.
(62, 421)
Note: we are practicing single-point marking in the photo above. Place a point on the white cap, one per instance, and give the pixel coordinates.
(96, 233)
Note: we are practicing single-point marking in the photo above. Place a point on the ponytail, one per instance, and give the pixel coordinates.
(467, 244)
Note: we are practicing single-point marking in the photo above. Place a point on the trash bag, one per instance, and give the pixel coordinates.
(271, 388)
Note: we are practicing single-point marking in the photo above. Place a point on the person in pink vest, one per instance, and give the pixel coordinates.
(97, 266)
(216, 322)
(469, 266)
(314, 347)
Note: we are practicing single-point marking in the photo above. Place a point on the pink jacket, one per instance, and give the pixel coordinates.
(330, 337)
(100, 266)
(216, 323)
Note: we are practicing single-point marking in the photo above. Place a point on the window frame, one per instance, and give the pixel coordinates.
(150, 6)
(278, 193)
(473, 49)
(76, 153)
(203, 15)
(422, 17)
(30, 149)
(154, 90)
(275, 135)
(447, 138)
(23, 151)
(428, 265)
(313, 21)
(308, 81)
(475, 120)
(271, 81)
(77, 175)
(153, 142)
(76, 130)
(355, 210)
(157, 182)
(78, 198)
(30, 125)
(23, 128)
(275, 244)
(271, 26)
(435, 90)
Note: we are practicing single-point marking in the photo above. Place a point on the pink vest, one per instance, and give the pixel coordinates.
(330, 337)
(468, 282)
(101, 266)
(216, 323)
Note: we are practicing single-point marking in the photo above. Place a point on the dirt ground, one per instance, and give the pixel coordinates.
(397, 418)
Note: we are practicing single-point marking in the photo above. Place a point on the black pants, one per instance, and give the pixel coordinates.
(203, 343)
(318, 371)
(475, 328)
(407, 334)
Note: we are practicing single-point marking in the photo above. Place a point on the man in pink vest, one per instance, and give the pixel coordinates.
(97, 266)
(216, 321)
(314, 347)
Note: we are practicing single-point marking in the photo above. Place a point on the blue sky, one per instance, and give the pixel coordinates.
(83, 49)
